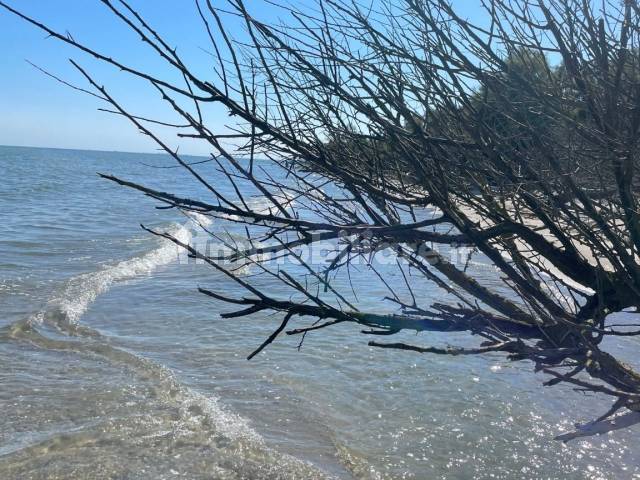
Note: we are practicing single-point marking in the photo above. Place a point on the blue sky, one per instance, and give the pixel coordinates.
(37, 111)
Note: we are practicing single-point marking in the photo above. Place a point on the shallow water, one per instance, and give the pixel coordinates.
(113, 366)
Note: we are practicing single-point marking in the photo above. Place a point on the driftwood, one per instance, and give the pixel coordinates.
(601, 427)
(520, 133)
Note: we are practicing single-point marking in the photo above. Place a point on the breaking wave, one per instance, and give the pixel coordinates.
(213, 427)
(82, 290)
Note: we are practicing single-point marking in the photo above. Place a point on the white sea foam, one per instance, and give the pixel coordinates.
(263, 206)
(81, 291)
(199, 219)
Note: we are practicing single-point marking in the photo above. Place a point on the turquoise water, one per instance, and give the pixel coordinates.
(113, 366)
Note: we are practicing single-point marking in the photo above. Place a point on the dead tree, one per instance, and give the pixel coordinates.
(517, 136)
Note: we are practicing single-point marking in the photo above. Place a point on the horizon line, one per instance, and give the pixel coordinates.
(100, 150)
